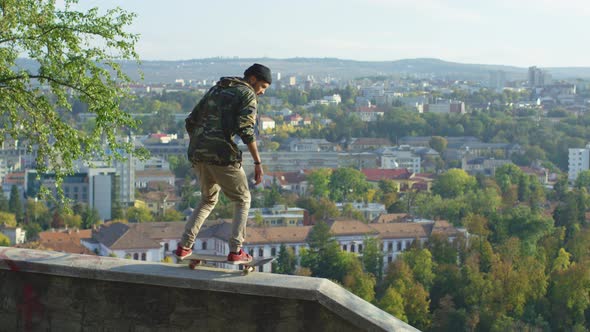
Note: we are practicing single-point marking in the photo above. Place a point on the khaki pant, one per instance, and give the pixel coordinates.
(232, 180)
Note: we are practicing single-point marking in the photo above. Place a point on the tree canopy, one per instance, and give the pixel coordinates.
(71, 56)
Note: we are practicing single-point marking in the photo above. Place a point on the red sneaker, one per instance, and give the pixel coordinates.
(240, 257)
(182, 252)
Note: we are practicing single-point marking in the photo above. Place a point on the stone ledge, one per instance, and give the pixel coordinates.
(328, 294)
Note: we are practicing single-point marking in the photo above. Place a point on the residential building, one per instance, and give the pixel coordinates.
(126, 180)
(369, 211)
(152, 241)
(143, 178)
(311, 145)
(445, 107)
(497, 79)
(93, 186)
(357, 160)
(398, 157)
(283, 161)
(482, 165)
(153, 163)
(291, 181)
(367, 143)
(538, 77)
(16, 235)
(278, 215)
(578, 161)
(369, 114)
(266, 123)
(541, 173)
(333, 99)
(158, 201)
(69, 241)
(294, 120)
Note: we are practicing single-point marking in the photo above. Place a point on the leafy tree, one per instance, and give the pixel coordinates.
(447, 318)
(324, 257)
(172, 215)
(90, 217)
(438, 143)
(562, 261)
(453, 183)
(180, 165)
(476, 224)
(4, 240)
(570, 212)
(14, 203)
(7, 219)
(286, 262)
(393, 303)
(583, 180)
(421, 264)
(415, 297)
(38, 213)
(319, 181)
(32, 231)
(117, 211)
(349, 211)
(579, 245)
(73, 221)
(569, 295)
(348, 184)
(373, 257)
(139, 214)
(75, 55)
(3, 202)
(359, 283)
(443, 251)
(321, 209)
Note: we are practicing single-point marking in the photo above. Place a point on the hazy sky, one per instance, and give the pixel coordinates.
(546, 33)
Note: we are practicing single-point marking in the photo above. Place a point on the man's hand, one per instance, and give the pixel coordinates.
(258, 173)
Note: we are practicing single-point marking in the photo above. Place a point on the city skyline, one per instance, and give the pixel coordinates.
(524, 33)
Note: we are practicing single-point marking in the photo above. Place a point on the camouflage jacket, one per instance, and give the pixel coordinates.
(226, 110)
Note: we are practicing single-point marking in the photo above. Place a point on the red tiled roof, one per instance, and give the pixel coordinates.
(340, 227)
(376, 174)
(402, 230)
(66, 241)
(390, 217)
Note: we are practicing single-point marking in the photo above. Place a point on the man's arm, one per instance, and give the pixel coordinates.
(258, 172)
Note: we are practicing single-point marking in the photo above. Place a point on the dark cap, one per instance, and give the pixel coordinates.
(261, 72)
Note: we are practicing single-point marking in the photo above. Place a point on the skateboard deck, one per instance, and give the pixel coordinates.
(198, 259)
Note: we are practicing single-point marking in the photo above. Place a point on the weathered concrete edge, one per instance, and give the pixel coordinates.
(333, 297)
(358, 311)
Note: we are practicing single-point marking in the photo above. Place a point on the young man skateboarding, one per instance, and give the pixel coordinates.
(226, 110)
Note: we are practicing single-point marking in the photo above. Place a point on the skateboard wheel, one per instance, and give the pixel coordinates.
(193, 264)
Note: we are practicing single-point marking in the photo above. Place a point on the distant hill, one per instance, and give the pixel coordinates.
(213, 68)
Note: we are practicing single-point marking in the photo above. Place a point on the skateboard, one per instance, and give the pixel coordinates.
(198, 259)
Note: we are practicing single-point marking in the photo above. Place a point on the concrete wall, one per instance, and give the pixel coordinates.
(50, 291)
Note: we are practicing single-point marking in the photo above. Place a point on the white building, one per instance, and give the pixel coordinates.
(445, 107)
(155, 241)
(154, 163)
(16, 235)
(578, 161)
(267, 123)
(126, 173)
(369, 114)
(333, 99)
(151, 241)
(399, 157)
